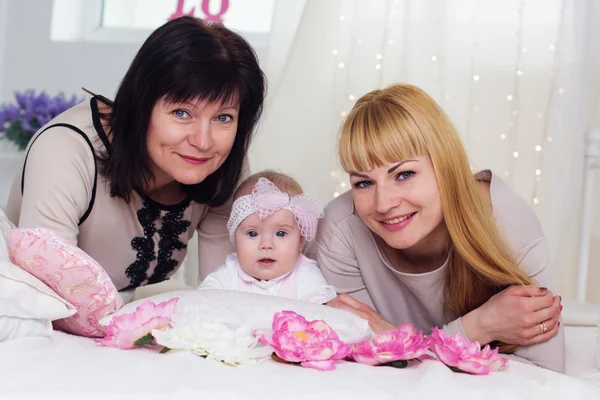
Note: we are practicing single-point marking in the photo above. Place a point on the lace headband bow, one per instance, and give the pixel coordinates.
(266, 198)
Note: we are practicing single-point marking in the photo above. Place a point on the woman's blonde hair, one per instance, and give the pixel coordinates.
(400, 122)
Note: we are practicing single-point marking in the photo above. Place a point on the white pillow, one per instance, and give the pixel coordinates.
(27, 305)
(5, 226)
(256, 310)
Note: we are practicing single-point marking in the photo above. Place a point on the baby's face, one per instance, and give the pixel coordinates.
(268, 248)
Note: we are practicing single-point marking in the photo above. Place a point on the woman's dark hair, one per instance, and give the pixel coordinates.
(184, 60)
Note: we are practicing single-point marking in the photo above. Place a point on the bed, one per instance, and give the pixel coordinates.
(70, 367)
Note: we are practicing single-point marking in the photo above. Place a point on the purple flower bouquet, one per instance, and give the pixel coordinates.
(20, 121)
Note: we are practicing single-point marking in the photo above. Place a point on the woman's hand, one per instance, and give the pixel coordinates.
(376, 321)
(522, 315)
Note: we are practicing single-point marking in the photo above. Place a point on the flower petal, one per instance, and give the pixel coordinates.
(328, 365)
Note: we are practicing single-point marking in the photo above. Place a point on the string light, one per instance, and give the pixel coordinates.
(472, 71)
(549, 106)
(514, 94)
(545, 132)
(346, 56)
(440, 50)
(535, 200)
(480, 78)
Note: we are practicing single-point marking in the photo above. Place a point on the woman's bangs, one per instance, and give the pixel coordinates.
(376, 135)
(212, 85)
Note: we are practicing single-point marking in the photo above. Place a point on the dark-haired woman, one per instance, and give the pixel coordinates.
(130, 180)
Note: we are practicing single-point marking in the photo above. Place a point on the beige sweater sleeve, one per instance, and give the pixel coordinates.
(58, 183)
(550, 354)
(213, 240)
(338, 263)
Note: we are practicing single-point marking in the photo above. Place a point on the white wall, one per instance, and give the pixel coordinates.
(31, 60)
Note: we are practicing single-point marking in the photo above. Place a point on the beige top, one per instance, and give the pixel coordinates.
(349, 256)
(137, 243)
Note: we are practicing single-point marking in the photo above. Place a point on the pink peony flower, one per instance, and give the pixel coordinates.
(312, 344)
(463, 355)
(127, 331)
(404, 343)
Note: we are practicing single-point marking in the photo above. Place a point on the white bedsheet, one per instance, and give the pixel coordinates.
(67, 367)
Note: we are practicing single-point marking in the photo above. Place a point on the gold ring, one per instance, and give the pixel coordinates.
(543, 328)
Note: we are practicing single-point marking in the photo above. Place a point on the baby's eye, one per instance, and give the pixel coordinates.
(253, 234)
(281, 234)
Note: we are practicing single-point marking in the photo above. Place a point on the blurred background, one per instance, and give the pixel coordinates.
(520, 79)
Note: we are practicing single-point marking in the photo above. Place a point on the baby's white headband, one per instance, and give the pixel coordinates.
(266, 198)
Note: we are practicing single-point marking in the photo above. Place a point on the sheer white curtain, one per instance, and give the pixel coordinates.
(518, 78)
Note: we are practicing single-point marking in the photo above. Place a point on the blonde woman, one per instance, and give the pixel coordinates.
(421, 239)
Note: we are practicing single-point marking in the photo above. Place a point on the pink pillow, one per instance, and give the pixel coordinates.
(71, 273)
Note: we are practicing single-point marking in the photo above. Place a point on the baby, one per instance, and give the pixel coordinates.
(269, 223)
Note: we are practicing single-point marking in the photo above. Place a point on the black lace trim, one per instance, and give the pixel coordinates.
(173, 225)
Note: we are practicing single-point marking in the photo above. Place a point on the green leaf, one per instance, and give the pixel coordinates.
(164, 350)
(396, 364)
(15, 133)
(146, 340)
(460, 371)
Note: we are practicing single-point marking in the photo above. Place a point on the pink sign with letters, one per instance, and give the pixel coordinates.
(208, 16)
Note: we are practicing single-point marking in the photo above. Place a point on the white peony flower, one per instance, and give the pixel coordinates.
(215, 340)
